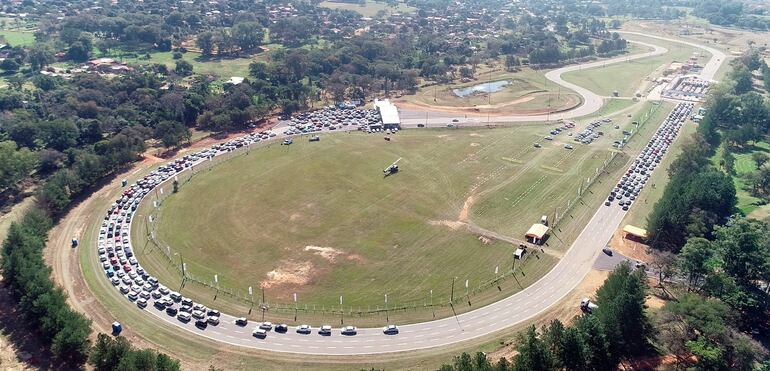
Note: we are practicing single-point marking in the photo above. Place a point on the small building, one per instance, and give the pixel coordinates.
(388, 113)
(536, 233)
(632, 232)
(235, 80)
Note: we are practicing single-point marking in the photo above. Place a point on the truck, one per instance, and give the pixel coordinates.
(587, 306)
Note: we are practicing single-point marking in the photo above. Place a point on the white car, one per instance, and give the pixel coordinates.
(266, 326)
(349, 330)
(304, 329)
(260, 333)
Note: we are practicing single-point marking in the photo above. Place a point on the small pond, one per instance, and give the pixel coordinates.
(487, 87)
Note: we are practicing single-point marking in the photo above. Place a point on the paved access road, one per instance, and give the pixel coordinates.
(592, 102)
(522, 306)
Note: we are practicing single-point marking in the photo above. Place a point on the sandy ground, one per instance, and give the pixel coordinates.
(632, 249)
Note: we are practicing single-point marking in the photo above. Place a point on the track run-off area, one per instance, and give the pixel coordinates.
(515, 309)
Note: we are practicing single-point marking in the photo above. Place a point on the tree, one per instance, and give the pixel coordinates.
(663, 262)
(183, 68)
(574, 351)
(40, 55)
(172, 133)
(597, 345)
(248, 35)
(533, 353)
(741, 76)
(759, 159)
(9, 65)
(622, 311)
(205, 42)
(15, 164)
(696, 260)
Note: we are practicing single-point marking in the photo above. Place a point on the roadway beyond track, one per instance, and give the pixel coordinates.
(592, 102)
(520, 307)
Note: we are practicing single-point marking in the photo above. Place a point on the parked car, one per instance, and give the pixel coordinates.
(304, 329)
(259, 333)
(241, 321)
(184, 316)
(325, 330)
(349, 330)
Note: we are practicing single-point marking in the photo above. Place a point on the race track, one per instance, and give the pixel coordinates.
(518, 308)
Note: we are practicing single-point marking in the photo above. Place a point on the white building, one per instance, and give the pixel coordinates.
(389, 113)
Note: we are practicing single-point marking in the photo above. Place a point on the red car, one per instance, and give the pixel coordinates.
(126, 268)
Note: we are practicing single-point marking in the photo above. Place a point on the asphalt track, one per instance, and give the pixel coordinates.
(520, 307)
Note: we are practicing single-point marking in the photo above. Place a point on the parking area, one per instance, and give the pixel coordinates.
(637, 175)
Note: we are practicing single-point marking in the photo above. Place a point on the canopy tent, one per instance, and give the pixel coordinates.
(537, 232)
(635, 231)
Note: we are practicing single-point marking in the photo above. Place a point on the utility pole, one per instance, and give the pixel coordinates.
(295, 307)
(251, 294)
(263, 306)
(452, 292)
(342, 312)
(387, 318)
(431, 303)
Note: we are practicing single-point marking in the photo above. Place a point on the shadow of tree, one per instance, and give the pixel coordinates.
(30, 349)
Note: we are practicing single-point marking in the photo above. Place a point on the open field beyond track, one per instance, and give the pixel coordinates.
(320, 219)
(628, 77)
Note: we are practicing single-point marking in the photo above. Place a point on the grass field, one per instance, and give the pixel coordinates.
(369, 8)
(17, 38)
(528, 90)
(222, 67)
(333, 230)
(627, 77)
(744, 164)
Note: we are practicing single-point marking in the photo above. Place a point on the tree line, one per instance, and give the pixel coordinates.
(717, 297)
(700, 195)
(43, 306)
(618, 329)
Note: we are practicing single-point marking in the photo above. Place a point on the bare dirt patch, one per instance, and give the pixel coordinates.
(485, 240)
(289, 273)
(466, 208)
(474, 144)
(294, 217)
(452, 224)
(328, 253)
(632, 249)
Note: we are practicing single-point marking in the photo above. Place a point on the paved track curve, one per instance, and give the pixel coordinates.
(591, 103)
(520, 307)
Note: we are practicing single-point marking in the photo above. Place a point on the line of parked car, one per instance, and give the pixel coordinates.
(126, 274)
(264, 328)
(637, 175)
(332, 118)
